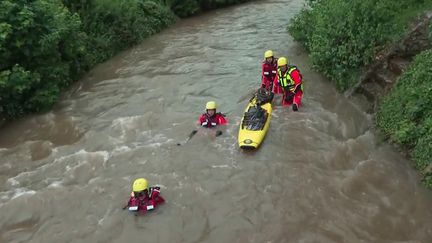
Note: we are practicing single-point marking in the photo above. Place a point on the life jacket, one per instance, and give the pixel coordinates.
(269, 70)
(212, 121)
(287, 82)
(145, 201)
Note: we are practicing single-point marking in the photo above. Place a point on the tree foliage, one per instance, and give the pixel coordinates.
(343, 35)
(405, 116)
(42, 49)
(46, 44)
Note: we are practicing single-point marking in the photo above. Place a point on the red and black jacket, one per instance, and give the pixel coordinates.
(211, 121)
(146, 200)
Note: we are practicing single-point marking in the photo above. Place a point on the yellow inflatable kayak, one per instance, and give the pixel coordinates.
(254, 124)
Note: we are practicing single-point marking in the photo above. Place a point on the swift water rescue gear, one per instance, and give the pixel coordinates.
(209, 121)
(139, 185)
(269, 72)
(277, 88)
(212, 121)
(211, 105)
(262, 96)
(287, 81)
(282, 61)
(291, 83)
(268, 54)
(144, 198)
(256, 120)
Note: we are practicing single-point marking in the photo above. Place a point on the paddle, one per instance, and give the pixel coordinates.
(218, 133)
(189, 137)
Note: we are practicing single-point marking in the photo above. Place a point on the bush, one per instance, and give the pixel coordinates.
(42, 49)
(405, 116)
(118, 24)
(343, 35)
(44, 45)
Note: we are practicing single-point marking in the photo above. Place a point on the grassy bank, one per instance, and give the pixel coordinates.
(47, 44)
(115, 25)
(344, 36)
(405, 115)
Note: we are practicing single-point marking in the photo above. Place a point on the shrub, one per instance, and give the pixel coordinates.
(405, 116)
(42, 49)
(118, 24)
(343, 35)
(46, 44)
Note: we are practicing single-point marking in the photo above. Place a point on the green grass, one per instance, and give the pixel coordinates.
(45, 45)
(405, 116)
(409, 14)
(342, 36)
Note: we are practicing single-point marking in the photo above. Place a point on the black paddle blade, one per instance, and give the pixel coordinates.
(192, 134)
(218, 133)
(189, 137)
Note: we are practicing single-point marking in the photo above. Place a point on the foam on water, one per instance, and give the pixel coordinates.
(120, 150)
(56, 184)
(22, 192)
(51, 174)
(221, 166)
(127, 124)
(13, 181)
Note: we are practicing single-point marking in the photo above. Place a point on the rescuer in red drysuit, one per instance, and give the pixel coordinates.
(211, 118)
(143, 198)
(269, 70)
(290, 80)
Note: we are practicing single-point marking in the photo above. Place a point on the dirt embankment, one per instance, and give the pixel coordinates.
(379, 78)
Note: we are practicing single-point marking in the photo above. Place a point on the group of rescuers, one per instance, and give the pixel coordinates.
(278, 77)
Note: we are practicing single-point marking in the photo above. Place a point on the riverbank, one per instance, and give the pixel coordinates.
(383, 56)
(45, 45)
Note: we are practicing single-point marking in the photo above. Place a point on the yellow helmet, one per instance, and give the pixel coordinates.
(211, 105)
(268, 54)
(139, 185)
(282, 61)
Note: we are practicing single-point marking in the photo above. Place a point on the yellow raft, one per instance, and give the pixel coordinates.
(254, 124)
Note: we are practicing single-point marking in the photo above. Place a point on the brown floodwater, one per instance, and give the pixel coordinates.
(321, 175)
